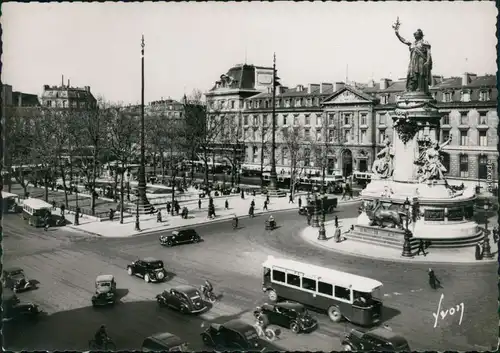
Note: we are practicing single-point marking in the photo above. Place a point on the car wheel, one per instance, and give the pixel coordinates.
(206, 340)
(146, 278)
(263, 320)
(169, 243)
(196, 239)
(160, 275)
(334, 314)
(295, 327)
(347, 348)
(272, 295)
(130, 271)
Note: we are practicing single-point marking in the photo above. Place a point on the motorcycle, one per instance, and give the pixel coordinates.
(208, 295)
(107, 345)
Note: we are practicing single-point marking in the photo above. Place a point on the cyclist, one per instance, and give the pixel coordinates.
(101, 336)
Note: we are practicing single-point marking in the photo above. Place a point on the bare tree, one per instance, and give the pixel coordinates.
(265, 135)
(93, 127)
(298, 151)
(20, 139)
(122, 134)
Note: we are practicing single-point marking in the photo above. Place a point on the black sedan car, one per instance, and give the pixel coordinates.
(379, 339)
(14, 310)
(180, 237)
(149, 268)
(234, 335)
(15, 279)
(185, 298)
(287, 314)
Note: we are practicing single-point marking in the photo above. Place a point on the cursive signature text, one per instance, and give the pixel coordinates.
(443, 313)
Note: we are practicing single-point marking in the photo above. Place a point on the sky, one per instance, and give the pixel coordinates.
(189, 45)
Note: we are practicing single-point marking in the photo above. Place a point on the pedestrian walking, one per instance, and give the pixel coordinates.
(158, 217)
(53, 204)
(62, 210)
(226, 205)
(199, 203)
(337, 235)
(421, 247)
(300, 202)
(309, 217)
(290, 199)
(265, 205)
(433, 281)
(267, 198)
(349, 191)
(252, 204)
(478, 252)
(336, 221)
(242, 195)
(495, 234)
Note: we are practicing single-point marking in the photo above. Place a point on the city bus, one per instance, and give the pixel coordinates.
(35, 211)
(362, 178)
(339, 294)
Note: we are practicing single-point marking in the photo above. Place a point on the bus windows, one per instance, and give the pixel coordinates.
(293, 280)
(342, 293)
(325, 288)
(308, 283)
(278, 276)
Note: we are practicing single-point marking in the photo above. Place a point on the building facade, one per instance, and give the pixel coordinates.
(67, 97)
(343, 126)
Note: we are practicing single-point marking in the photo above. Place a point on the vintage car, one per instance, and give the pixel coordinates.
(234, 335)
(185, 298)
(286, 314)
(379, 339)
(330, 203)
(105, 290)
(13, 310)
(15, 279)
(149, 268)
(180, 237)
(164, 342)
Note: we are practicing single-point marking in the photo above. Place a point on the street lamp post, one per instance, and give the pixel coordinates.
(407, 245)
(486, 242)
(322, 230)
(273, 178)
(77, 213)
(137, 224)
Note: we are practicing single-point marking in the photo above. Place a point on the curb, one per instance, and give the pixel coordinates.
(222, 219)
(400, 259)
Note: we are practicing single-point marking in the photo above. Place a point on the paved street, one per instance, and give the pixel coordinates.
(66, 264)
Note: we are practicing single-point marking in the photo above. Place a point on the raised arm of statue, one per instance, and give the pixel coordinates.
(446, 143)
(401, 39)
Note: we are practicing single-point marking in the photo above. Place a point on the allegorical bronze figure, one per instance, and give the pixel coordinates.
(419, 74)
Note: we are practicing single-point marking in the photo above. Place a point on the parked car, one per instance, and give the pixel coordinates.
(185, 298)
(180, 237)
(234, 335)
(330, 203)
(286, 314)
(164, 342)
(105, 290)
(15, 279)
(379, 339)
(149, 268)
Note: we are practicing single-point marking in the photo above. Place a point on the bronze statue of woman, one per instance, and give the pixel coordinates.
(419, 74)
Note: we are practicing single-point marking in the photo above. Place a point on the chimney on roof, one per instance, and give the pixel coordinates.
(87, 88)
(385, 83)
(46, 87)
(323, 87)
(467, 78)
(62, 81)
(371, 84)
(338, 86)
(20, 99)
(68, 82)
(312, 87)
(299, 88)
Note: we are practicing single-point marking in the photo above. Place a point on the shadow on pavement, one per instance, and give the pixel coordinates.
(389, 313)
(121, 293)
(128, 324)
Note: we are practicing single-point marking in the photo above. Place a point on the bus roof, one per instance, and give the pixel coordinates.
(355, 282)
(36, 204)
(8, 195)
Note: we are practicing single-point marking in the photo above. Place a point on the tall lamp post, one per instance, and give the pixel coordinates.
(272, 189)
(407, 245)
(77, 213)
(486, 242)
(142, 198)
(322, 230)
